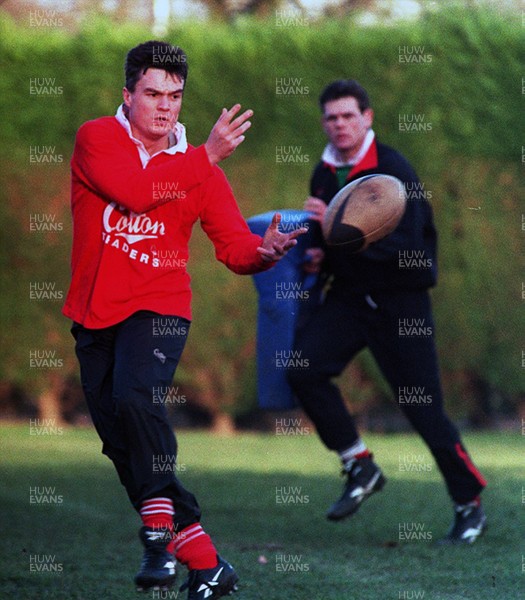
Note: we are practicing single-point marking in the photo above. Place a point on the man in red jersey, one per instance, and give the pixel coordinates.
(138, 187)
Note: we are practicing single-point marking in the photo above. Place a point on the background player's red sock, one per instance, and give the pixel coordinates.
(348, 456)
(194, 548)
(157, 513)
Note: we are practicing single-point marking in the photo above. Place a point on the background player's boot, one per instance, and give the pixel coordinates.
(363, 479)
(469, 523)
(157, 570)
(209, 584)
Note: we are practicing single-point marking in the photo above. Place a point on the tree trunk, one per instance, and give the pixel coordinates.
(223, 425)
(49, 406)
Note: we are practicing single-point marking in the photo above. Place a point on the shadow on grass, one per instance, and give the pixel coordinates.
(271, 526)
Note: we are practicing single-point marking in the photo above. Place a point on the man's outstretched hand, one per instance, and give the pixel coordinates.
(275, 243)
(227, 133)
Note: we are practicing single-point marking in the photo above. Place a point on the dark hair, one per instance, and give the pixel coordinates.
(156, 55)
(343, 88)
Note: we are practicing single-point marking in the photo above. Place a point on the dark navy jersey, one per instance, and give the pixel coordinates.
(406, 258)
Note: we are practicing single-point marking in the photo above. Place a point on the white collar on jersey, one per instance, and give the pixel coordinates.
(331, 155)
(177, 138)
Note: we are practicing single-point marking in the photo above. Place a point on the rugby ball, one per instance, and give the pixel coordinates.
(364, 211)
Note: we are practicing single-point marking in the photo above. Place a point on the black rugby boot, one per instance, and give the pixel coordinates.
(364, 478)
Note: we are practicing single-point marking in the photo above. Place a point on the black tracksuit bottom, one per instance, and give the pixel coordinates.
(127, 372)
(398, 329)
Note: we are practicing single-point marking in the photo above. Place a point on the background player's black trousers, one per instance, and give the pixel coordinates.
(127, 373)
(397, 327)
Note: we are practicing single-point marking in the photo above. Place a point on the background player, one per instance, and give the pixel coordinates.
(371, 302)
(130, 295)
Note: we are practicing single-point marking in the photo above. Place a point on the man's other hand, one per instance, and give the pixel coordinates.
(316, 207)
(275, 243)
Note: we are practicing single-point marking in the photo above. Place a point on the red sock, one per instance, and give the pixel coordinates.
(158, 514)
(194, 548)
(363, 454)
(353, 453)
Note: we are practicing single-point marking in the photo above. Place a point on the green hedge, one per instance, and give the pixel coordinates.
(466, 88)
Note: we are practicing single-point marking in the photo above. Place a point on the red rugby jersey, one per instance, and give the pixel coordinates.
(132, 225)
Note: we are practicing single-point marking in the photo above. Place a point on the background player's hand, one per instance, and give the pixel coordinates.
(275, 243)
(227, 133)
(314, 260)
(316, 207)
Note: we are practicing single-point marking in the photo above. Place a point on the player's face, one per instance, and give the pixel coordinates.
(154, 106)
(345, 125)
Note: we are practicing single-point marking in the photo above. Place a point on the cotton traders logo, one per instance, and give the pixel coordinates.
(119, 222)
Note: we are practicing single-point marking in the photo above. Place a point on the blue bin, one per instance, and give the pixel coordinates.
(286, 294)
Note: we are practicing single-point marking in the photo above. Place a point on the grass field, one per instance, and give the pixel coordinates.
(263, 498)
